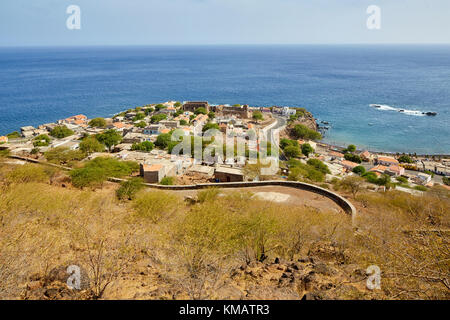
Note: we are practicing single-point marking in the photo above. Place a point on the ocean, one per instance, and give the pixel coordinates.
(337, 83)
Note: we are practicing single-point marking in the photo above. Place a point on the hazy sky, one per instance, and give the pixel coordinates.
(147, 22)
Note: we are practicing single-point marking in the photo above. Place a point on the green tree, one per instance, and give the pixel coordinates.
(139, 116)
(201, 110)
(163, 140)
(177, 104)
(257, 115)
(183, 122)
(143, 146)
(109, 138)
(90, 145)
(301, 131)
(141, 124)
(61, 132)
(405, 159)
(97, 123)
(307, 149)
(211, 115)
(158, 117)
(209, 126)
(359, 170)
(292, 151)
(159, 107)
(352, 157)
(63, 155)
(351, 148)
(354, 184)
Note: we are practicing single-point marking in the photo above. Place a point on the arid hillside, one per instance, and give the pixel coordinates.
(217, 245)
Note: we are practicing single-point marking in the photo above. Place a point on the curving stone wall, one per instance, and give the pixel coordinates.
(346, 205)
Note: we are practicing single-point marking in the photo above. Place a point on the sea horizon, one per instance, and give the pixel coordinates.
(337, 83)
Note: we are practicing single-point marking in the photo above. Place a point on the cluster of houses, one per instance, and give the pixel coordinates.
(235, 120)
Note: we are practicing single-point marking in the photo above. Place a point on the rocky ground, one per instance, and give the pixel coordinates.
(322, 274)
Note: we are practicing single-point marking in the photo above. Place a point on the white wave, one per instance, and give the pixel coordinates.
(384, 107)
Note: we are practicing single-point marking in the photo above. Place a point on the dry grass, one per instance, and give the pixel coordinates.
(195, 246)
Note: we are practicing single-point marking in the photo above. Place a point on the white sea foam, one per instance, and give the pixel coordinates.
(384, 107)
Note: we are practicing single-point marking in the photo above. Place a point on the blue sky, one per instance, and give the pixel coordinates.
(160, 22)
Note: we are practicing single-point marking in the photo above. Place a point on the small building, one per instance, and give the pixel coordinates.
(286, 111)
(366, 156)
(422, 178)
(334, 155)
(387, 161)
(378, 169)
(172, 124)
(224, 174)
(153, 173)
(3, 139)
(395, 171)
(349, 165)
(27, 131)
(152, 129)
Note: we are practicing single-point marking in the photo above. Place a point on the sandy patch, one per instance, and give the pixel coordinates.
(272, 196)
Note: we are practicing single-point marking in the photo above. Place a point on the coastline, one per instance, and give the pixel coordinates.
(337, 146)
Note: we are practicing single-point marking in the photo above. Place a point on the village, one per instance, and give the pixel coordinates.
(143, 135)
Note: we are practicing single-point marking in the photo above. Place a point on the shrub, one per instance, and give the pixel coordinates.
(421, 188)
(359, 170)
(301, 131)
(88, 177)
(353, 184)
(61, 132)
(319, 165)
(300, 170)
(287, 142)
(292, 151)
(90, 145)
(257, 115)
(402, 179)
(13, 135)
(158, 117)
(353, 157)
(307, 149)
(155, 205)
(128, 189)
(63, 155)
(446, 181)
(109, 138)
(96, 171)
(163, 140)
(139, 116)
(200, 110)
(405, 159)
(141, 124)
(143, 146)
(210, 126)
(167, 181)
(97, 123)
(350, 148)
(41, 140)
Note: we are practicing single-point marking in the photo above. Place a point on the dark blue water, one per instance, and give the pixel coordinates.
(336, 83)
